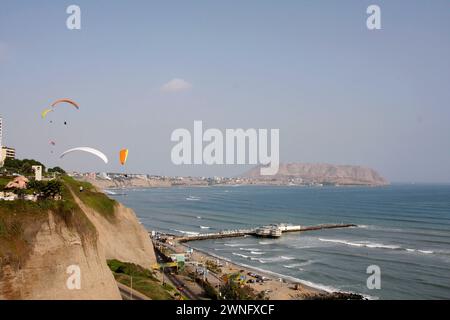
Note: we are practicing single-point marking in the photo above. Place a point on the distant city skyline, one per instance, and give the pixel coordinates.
(338, 92)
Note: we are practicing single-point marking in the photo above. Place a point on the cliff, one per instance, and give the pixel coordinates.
(307, 173)
(40, 242)
(143, 182)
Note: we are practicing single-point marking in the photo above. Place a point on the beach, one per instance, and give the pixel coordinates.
(271, 285)
(275, 288)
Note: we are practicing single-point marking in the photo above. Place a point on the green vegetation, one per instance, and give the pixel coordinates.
(130, 269)
(24, 167)
(144, 280)
(91, 197)
(20, 220)
(21, 166)
(4, 181)
(56, 170)
(45, 189)
(210, 291)
(234, 290)
(212, 266)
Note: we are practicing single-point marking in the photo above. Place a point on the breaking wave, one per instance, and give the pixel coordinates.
(374, 245)
(186, 232)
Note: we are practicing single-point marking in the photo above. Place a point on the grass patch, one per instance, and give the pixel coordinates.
(4, 181)
(144, 280)
(91, 197)
(21, 220)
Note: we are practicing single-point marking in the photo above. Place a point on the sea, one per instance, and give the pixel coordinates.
(402, 237)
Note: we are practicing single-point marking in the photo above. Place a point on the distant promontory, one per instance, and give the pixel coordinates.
(319, 174)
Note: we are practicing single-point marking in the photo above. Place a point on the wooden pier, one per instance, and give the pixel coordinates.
(253, 232)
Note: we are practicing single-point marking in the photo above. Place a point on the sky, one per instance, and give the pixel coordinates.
(338, 92)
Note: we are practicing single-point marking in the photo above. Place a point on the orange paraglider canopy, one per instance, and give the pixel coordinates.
(123, 155)
(66, 101)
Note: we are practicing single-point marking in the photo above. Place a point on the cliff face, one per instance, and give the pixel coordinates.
(322, 173)
(122, 237)
(38, 249)
(43, 274)
(127, 183)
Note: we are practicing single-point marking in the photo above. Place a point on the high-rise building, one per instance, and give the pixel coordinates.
(5, 152)
(1, 132)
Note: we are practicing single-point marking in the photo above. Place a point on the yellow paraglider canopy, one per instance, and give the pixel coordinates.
(44, 113)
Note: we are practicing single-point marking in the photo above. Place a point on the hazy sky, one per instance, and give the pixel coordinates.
(338, 92)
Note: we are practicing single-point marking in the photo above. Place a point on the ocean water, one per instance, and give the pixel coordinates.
(402, 229)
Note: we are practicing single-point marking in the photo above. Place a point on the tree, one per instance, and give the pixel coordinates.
(56, 170)
(232, 290)
(21, 166)
(46, 189)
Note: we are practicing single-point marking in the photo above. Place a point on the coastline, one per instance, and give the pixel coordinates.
(275, 286)
(148, 183)
(282, 287)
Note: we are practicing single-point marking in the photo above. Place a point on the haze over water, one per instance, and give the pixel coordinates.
(404, 229)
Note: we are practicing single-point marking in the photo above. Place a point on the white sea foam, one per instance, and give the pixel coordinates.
(354, 244)
(257, 252)
(379, 228)
(204, 227)
(272, 259)
(240, 255)
(286, 258)
(366, 244)
(236, 244)
(426, 251)
(299, 265)
(186, 232)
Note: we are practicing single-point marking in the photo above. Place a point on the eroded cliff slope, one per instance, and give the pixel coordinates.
(41, 243)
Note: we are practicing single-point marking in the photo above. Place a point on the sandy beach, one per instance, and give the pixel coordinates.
(275, 287)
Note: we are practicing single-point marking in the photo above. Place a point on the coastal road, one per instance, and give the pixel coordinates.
(182, 286)
(178, 282)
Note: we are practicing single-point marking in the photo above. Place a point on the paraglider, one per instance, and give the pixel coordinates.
(54, 104)
(123, 155)
(66, 101)
(53, 143)
(44, 113)
(86, 149)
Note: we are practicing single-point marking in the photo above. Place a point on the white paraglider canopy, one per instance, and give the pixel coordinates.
(87, 149)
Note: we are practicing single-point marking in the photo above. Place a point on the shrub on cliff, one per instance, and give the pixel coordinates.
(130, 269)
(46, 189)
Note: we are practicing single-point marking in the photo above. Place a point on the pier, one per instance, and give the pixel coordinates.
(272, 231)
